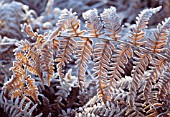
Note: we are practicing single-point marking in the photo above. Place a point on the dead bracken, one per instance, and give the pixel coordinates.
(112, 74)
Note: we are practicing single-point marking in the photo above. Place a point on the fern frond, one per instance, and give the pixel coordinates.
(112, 23)
(102, 56)
(137, 33)
(119, 60)
(150, 111)
(73, 24)
(93, 22)
(150, 79)
(160, 63)
(20, 84)
(38, 56)
(32, 57)
(16, 82)
(65, 90)
(68, 20)
(31, 89)
(84, 52)
(64, 55)
(152, 90)
(163, 85)
(17, 107)
(55, 44)
(119, 96)
(103, 110)
(141, 62)
(83, 114)
(46, 61)
(29, 31)
(161, 36)
(135, 112)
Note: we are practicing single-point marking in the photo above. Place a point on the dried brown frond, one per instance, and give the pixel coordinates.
(164, 82)
(31, 58)
(151, 78)
(15, 84)
(84, 52)
(141, 62)
(123, 54)
(143, 91)
(161, 37)
(29, 31)
(66, 47)
(20, 84)
(31, 89)
(46, 61)
(149, 110)
(55, 44)
(102, 56)
(37, 58)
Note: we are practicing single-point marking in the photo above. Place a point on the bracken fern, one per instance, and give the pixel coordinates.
(145, 92)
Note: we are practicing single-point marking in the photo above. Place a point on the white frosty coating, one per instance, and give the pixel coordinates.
(162, 28)
(21, 107)
(111, 20)
(66, 18)
(93, 21)
(160, 35)
(6, 43)
(144, 16)
(166, 24)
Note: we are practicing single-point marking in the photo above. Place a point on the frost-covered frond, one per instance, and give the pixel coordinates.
(164, 82)
(159, 95)
(93, 22)
(31, 89)
(32, 58)
(67, 91)
(29, 31)
(99, 109)
(112, 23)
(102, 56)
(160, 63)
(158, 67)
(73, 28)
(37, 58)
(38, 55)
(84, 52)
(119, 59)
(158, 44)
(137, 33)
(16, 85)
(66, 49)
(129, 78)
(47, 61)
(151, 78)
(17, 107)
(144, 17)
(68, 20)
(141, 62)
